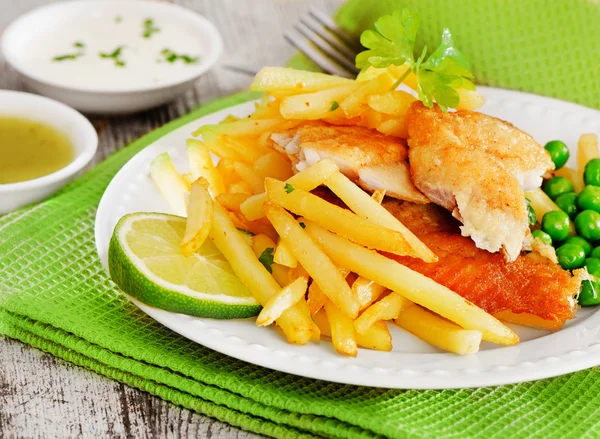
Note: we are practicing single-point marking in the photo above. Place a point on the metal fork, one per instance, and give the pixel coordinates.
(324, 42)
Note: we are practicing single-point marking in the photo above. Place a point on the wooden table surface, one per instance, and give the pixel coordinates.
(41, 396)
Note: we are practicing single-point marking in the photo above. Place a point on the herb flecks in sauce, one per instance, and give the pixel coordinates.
(67, 57)
(171, 57)
(79, 45)
(118, 19)
(115, 55)
(149, 28)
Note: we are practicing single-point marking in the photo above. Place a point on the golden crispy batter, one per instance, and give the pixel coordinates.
(476, 166)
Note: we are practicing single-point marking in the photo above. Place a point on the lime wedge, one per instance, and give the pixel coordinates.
(145, 260)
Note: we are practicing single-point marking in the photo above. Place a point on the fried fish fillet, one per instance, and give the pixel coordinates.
(530, 286)
(373, 160)
(477, 167)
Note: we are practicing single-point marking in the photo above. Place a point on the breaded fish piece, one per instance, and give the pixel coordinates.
(373, 160)
(477, 167)
(531, 285)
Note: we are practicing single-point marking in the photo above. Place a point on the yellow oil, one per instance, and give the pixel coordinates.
(30, 149)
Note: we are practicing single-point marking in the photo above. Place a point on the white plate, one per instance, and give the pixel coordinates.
(412, 364)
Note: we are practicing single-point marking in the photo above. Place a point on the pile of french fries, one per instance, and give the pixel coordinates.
(315, 267)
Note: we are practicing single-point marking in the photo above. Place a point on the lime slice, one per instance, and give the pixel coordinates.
(145, 260)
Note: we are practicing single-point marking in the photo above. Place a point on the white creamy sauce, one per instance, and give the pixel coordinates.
(144, 65)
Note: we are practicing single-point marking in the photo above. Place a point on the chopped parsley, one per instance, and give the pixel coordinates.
(247, 232)
(302, 225)
(78, 44)
(69, 56)
(288, 188)
(266, 258)
(149, 28)
(439, 76)
(334, 106)
(170, 57)
(115, 55)
(118, 19)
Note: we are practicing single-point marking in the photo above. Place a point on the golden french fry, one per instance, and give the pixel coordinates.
(334, 218)
(388, 308)
(371, 118)
(316, 298)
(284, 256)
(266, 110)
(247, 127)
(313, 259)
(412, 285)
(262, 246)
(530, 320)
(225, 170)
(170, 183)
(366, 291)
(295, 322)
(255, 227)
(246, 172)
(232, 202)
(317, 105)
(363, 205)
(199, 219)
(393, 102)
(308, 179)
(378, 195)
(285, 299)
(201, 165)
(378, 336)
(354, 102)
(394, 127)
(469, 99)
(273, 164)
(188, 178)
(587, 149)
(291, 81)
(246, 147)
(240, 187)
(215, 142)
(438, 331)
(295, 273)
(343, 336)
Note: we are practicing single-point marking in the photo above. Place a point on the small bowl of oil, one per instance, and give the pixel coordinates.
(43, 145)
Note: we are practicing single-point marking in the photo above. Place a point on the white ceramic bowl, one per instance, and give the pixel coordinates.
(39, 23)
(79, 130)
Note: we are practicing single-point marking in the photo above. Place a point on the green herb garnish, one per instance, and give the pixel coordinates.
(438, 77)
(171, 57)
(247, 232)
(78, 44)
(69, 56)
(288, 188)
(302, 225)
(266, 258)
(118, 19)
(334, 106)
(149, 28)
(115, 55)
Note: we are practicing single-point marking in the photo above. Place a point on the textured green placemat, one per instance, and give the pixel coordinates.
(56, 296)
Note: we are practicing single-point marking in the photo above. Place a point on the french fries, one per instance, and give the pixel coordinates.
(199, 219)
(247, 174)
(313, 106)
(352, 104)
(262, 246)
(284, 256)
(232, 201)
(281, 80)
(388, 308)
(378, 195)
(438, 331)
(412, 285)
(287, 297)
(316, 298)
(246, 127)
(336, 219)
(313, 259)
(295, 323)
(587, 149)
(307, 180)
(394, 102)
(469, 100)
(366, 291)
(273, 165)
(342, 330)
(201, 165)
(362, 204)
(169, 183)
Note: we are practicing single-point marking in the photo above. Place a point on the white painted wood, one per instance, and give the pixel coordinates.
(42, 397)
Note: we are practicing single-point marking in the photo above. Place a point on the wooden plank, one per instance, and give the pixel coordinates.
(41, 396)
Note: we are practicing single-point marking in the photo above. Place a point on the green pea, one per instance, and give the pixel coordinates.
(559, 152)
(589, 198)
(557, 186)
(531, 216)
(543, 236)
(556, 224)
(578, 240)
(591, 174)
(589, 294)
(595, 253)
(567, 202)
(587, 225)
(593, 267)
(570, 256)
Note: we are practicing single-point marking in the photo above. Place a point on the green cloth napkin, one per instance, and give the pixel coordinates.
(55, 295)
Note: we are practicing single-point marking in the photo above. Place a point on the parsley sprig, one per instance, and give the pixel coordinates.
(439, 75)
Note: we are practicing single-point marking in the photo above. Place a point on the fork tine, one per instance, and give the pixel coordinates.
(326, 21)
(302, 44)
(334, 41)
(326, 48)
